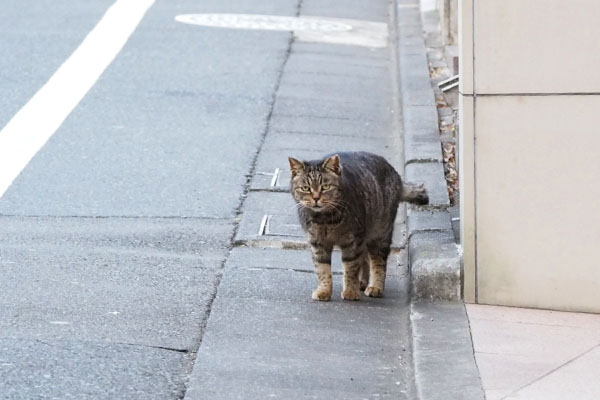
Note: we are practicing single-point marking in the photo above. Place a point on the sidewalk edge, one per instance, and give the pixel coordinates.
(443, 358)
(434, 257)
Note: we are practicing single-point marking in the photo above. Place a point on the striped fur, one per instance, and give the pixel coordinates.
(350, 200)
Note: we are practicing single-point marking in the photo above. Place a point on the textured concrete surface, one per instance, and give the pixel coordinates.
(423, 142)
(139, 281)
(104, 308)
(442, 349)
(435, 265)
(434, 257)
(443, 352)
(50, 369)
(428, 220)
(268, 336)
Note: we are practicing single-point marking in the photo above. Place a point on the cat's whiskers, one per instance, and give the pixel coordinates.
(299, 205)
(339, 205)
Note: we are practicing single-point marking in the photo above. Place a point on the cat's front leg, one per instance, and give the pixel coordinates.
(322, 258)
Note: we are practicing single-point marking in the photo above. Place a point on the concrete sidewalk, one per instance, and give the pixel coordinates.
(266, 337)
(443, 360)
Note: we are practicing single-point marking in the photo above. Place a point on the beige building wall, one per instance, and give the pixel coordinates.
(530, 152)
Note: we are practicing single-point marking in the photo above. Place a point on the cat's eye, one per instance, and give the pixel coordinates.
(325, 187)
(305, 189)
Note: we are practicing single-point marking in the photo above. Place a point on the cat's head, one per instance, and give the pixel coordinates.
(316, 184)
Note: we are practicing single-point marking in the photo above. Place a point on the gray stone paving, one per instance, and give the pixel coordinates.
(266, 337)
(443, 352)
(444, 364)
(433, 254)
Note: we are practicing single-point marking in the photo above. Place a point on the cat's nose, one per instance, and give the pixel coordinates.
(316, 196)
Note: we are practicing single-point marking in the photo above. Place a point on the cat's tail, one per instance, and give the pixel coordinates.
(414, 193)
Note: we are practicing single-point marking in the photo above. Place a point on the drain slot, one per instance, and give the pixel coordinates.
(262, 229)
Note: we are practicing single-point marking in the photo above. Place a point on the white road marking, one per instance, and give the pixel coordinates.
(32, 126)
(265, 22)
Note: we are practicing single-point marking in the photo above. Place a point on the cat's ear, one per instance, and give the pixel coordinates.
(295, 166)
(333, 164)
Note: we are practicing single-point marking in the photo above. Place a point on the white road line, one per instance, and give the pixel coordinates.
(36, 122)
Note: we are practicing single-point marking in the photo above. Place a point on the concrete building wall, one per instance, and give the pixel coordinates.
(530, 163)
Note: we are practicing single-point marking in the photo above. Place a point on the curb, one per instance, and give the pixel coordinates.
(433, 255)
(443, 357)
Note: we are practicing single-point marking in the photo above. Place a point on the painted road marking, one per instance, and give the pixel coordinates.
(32, 126)
(305, 28)
(265, 22)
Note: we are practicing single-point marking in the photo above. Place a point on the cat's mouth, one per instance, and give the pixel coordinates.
(317, 206)
(320, 206)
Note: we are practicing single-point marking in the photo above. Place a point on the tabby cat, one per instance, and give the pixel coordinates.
(350, 200)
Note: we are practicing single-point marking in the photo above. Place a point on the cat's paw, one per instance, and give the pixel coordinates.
(350, 294)
(321, 295)
(373, 291)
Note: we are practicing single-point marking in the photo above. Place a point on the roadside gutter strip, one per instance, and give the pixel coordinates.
(433, 254)
(443, 359)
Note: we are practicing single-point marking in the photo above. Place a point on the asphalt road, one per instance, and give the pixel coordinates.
(113, 237)
(118, 274)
